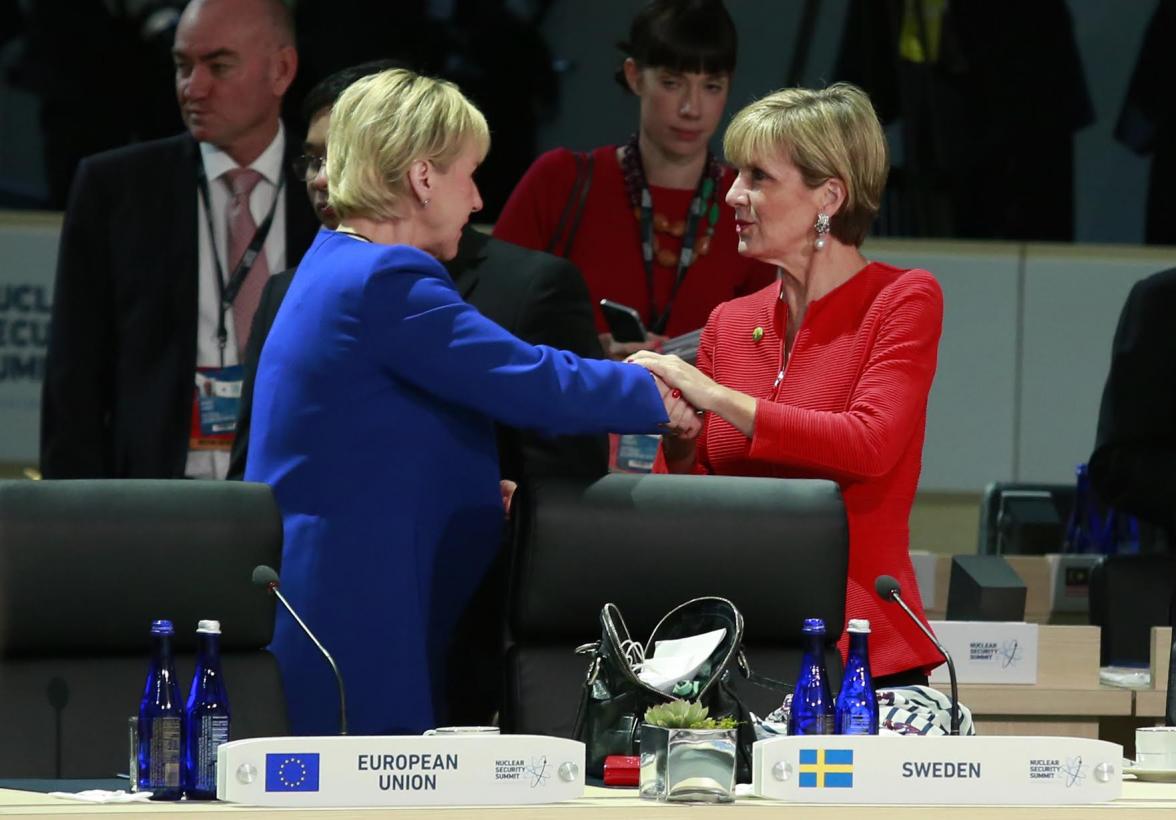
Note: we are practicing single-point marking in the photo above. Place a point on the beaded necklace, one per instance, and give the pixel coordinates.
(703, 203)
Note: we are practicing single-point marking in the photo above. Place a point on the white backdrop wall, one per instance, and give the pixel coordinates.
(28, 255)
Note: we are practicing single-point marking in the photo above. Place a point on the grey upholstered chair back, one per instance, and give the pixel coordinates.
(85, 566)
(1019, 517)
(778, 549)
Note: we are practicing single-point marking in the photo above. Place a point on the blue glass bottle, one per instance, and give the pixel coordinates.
(161, 718)
(1122, 533)
(1090, 529)
(857, 703)
(812, 710)
(206, 716)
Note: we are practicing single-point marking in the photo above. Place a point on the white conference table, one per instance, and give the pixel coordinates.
(1139, 800)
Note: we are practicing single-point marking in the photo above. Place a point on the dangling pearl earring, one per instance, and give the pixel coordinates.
(822, 228)
(425, 203)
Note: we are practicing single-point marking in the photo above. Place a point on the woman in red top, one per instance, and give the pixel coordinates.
(653, 232)
(826, 373)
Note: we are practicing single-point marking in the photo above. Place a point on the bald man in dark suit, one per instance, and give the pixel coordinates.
(136, 300)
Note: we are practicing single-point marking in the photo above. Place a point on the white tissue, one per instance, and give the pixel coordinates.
(679, 659)
(104, 796)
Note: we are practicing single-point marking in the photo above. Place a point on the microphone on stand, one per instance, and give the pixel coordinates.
(889, 589)
(1170, 707)
(264, 576)
(58, 693)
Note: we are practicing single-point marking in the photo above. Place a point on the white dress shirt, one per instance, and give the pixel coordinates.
(215, 463)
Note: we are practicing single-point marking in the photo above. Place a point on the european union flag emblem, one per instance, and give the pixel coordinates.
(826, 769)
(292, 772)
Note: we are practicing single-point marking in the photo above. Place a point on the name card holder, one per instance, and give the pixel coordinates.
(441, 770)
(892, 769)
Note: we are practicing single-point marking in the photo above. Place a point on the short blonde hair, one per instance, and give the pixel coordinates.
(385, 122)
(828, 133)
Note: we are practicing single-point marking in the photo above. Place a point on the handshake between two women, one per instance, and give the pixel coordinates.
(686, 392)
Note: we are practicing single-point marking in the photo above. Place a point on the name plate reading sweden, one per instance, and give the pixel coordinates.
(937, 770)
(450, 770)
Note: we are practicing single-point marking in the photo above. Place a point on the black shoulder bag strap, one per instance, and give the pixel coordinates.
(573, 209)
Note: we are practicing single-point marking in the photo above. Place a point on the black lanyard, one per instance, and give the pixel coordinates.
(658, 322)
(228, 290)
(698, 206)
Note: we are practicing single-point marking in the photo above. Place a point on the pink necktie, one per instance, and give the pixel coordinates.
(241, 228)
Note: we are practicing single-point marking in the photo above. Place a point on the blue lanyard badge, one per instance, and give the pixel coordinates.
(218, 399)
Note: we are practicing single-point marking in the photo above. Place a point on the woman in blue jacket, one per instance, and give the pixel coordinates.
(375, 400)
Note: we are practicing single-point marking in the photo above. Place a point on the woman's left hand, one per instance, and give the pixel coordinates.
(698, 389)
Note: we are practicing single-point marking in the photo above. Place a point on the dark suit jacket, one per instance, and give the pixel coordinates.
(1133, 467)
(117, 396)
(540, 298)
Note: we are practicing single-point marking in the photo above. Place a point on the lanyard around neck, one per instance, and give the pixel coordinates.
(228, 290)
(698, 206)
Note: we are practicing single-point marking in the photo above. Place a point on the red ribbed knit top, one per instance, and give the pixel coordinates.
(852, 407)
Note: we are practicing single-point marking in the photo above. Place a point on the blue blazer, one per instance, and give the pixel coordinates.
(373, 414)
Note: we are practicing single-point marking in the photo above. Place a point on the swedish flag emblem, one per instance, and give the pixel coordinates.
(826, 768)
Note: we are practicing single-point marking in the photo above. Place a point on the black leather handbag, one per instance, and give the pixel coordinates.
(614, 699)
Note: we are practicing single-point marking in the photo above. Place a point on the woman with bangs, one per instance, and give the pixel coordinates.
(374, 404)
(826, 373)
(645, 222)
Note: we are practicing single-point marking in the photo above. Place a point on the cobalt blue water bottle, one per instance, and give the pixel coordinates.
(206, 716)
(812, 701)
(1089, 528)
(160, 720)
(857, 704)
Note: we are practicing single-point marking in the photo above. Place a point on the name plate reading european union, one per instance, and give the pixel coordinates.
(449, 770)
(937, 770)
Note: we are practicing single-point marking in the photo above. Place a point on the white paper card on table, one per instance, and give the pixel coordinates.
(679, 659)
(988, 651)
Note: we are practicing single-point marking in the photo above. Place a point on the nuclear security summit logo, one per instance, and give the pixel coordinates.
(292, 772)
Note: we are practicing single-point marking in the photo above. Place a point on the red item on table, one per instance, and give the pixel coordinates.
(622, 770)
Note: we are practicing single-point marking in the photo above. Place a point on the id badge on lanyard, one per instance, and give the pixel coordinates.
(215, 404)
(632, 452)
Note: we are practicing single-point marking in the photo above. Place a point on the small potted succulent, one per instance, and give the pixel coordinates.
(687, 755)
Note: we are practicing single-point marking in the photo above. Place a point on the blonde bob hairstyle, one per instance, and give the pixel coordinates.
(385, 122)
(830, 133)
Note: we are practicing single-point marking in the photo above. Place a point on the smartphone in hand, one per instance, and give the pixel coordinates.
(623, 321)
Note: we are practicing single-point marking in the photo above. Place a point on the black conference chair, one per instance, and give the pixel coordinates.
(778, 549)
(1129, 594)
(85, 566)
(1024, 518)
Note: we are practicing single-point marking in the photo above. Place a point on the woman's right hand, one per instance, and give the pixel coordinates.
(619, 351)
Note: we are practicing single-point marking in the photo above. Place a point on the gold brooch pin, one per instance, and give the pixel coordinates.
(757, 334)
